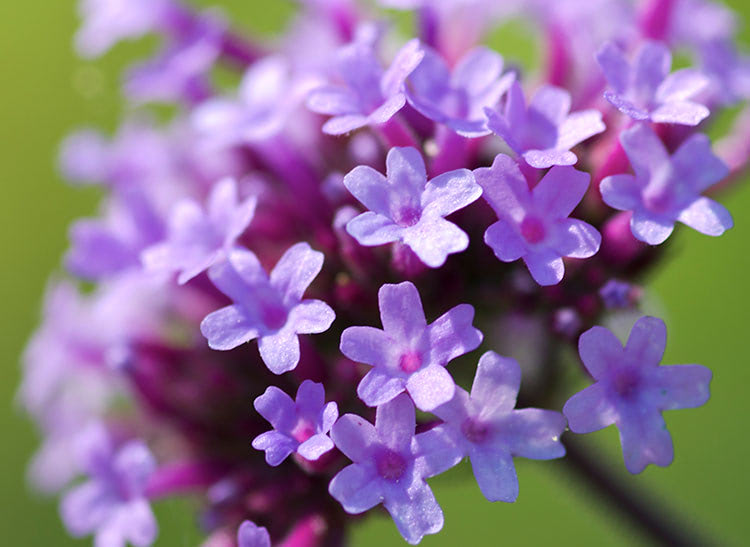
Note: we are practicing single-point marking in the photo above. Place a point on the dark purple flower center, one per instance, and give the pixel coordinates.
(303, 431)
(408, 216)
(390, 465)
(474, 430)
(410, 362)
(532, 230)
(274, 316)
(626, 382)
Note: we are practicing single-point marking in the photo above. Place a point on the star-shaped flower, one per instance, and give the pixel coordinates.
(544, 131)
(632, 390)
(645, 90)
(112, 504)
(408, 354)
(667, 189)
(457, 99)
(486, 427)
(406, 207)
(197, 239)
(368, 95)
(534, 224)
(269, 308)
(299, 426)
(390, 465)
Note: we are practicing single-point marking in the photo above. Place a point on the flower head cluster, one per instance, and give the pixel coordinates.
(292, 228)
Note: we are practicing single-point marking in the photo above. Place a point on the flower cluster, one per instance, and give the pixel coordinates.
(294, 235)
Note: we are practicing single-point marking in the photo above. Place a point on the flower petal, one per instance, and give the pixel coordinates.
(431, 387)
(280, 352)
(495, 473)
(496, 384)
(707, 216)
(356, 488)
(647, 341)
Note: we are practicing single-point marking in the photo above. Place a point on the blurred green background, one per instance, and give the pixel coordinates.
(46, 92)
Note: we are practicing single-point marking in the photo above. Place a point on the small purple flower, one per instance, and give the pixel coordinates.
(618, 294)
(369, 95)
(269, 308)
(408, 354)
(198, 239)
(534, 224)
(299, 426)
(390, 465)
(544, 131)
(632, 390)
(645, 90)
(251, 535)
(405, 207)
(112, 504)
(486, 427)
(666, 189)
(457, 99)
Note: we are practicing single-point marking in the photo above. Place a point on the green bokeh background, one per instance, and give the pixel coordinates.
(703, 289)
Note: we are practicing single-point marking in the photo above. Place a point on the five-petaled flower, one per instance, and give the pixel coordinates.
(666, 189)
(269, 308)
(406, 207)
(299, 426)
(408, 354)
(632, 390)
(534, 224)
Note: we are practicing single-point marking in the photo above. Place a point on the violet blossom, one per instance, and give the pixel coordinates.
(406, 207)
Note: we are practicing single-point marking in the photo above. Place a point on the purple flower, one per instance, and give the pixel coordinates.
(390, 465)
(666, 189)
(408, 354)
(106, 22)
(485, 426)
(534, 224)
(632, 390)
(457, 99)
(618, 294)
(269, 308)
(112, 504)
(251, 535)
(369, 95)
(405, 207)
(645, 90)
(544, 131)
(197, 239)
(300, 426)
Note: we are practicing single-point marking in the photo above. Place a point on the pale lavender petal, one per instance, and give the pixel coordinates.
(295, 271)
(681, 85)
(621, 192)
(371, 229)
(84, 508)
(437, 451)
(545, 266)
(356, 488)
(576, 238)
(477, 70)
(137, 523)
(379, 387)
(387, 110)
(651, 65)
(431, 387)
(416, 514)
(615, 66)
(310, 398)
(450, 192)
(501, 126)
(694, 161)
(333, 100)
(277, 408)
(365, 345)
(355, 437)
(590, 410)
(647, 341)
(542, 159)
(277, 446)
(433, 239)
(134, 464)
(496, 384)
(251, 535)
(650, 228)
(553, 103)
(311, 317)
(599, 348)
(406, 60)
(679, 386)
(560, 191)
(340, 125)
(645, 440)
(406, 171)
(228, 328)
(533, 433)
(401, 311)
(504, 188)
(314, 447)
(452, 335)
(706, 216)
(395, 422)
(680, 112)
(578, 127)
(515, 114)
(280, 352)
(626, 107)
(495, 474)
(505, 240)
(370, 188)
(329, 416)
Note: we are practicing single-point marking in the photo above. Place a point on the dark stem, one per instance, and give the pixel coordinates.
(655, 520)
